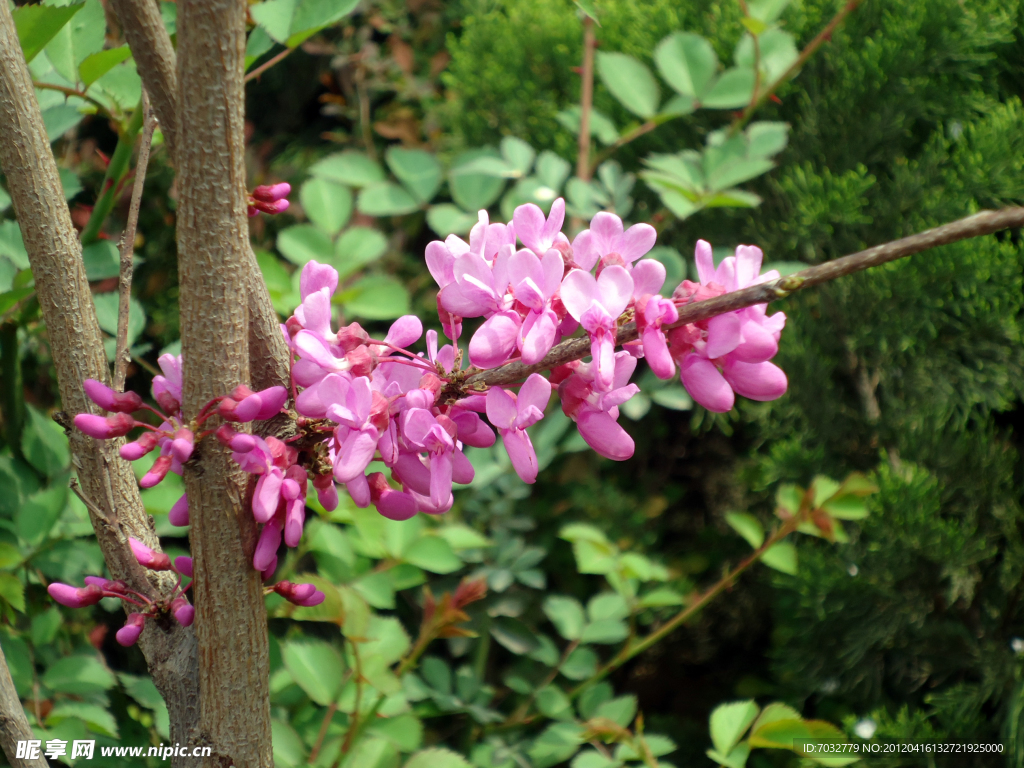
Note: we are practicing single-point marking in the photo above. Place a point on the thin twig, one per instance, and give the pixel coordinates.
(586, 99)
(805, 54)
(268, 64)
(124, 287)
(633, 135)
(984, 223)
(75, 489)
(74, 92)
(331, 709)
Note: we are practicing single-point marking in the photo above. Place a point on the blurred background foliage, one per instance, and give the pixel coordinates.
(909, 116)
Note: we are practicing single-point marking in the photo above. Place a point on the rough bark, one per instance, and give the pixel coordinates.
(213, 241)
(14, 725)
(74, 337)
(154, 54)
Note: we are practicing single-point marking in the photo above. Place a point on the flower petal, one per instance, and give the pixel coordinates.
(637, 241)
(616, 288)
(494, 340)
(648, 277)
(520, 451)
(316, 276)
(706, 384)
(579, 290)
(602, 433)
(758, 381)
(723, 334)
(705, 262)
(606, 231)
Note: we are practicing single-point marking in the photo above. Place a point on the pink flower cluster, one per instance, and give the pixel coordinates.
(269, 199)
(357, 401)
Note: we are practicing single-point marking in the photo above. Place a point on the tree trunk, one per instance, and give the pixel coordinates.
(213, 241)
(74, 337)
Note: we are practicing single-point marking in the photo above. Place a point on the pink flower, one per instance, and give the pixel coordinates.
(349, 403)
(136, 450)
(392, 504)
(76, 597)
(534, 283)
(269, 199)
(534, 231)
(183, 565)
(157, 472)
(597, 304)
(512, 415)
(178, 514)
(155, 561)
(129, 633)
(605, 240)
(184, 613)
(479, 287)
(423, 431)
(596, 412)
(651, 313)
(167, 388)
(105, 427)
(109, 400)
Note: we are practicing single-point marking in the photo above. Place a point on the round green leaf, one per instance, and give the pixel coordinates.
(434, 554)
(78, 675)
(630, 82)
(473, 191)
(605, 631)
(385, 199)
(357, 247)
(303, 243)
(327, 203)
(377, 297)
(419, 171)
(687, 62)
(566, 614)
(352, 168)
(581, 664)
(728, 723)
(436, 757)
(732, 90)
(316, 667)
(518, 154)
(447, 219)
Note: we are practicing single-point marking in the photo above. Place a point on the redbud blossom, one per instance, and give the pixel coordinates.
(183, 565)
(105, 427)
(109, 400)
(183, 612)
(156, 473)
(75, 597)
(178, 514)
(155, 561)
(129, 633)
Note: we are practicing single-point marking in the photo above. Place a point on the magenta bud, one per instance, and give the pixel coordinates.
(251, 211)
(327, 495)
(302, 592)
(109, 400)
(225, 433)
(268, 573)
(243, 443)
(315, 599)
(279, 206)
(155, 561)
(136, 450)
(273, 400)
(129, 633)
(178, 514)
(99, 581)
(182, 444)
(271, 193)
(183, 612)
(105, 427)
(249, 408)
(75, 597)
(167, 401)
(183, 565)
(156, 473)
(352, 336)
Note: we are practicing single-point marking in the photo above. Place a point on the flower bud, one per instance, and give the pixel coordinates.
(315, 599)
(155, 561)
(362, 360)
(273, 400)
(183, 612)
(156, 473)
(279, 206)
(129, 633)
(182, 444)
(392, 504)
(75, 597)
(183, 565)
(178, 514)
(109, 400)
(271, 193)
(168, 402)
(326, 492)
(136, 450)
(352, 336)
(432, 383)
(105, 427)
(268, 573)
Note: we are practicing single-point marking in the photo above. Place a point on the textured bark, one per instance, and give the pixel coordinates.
(154, 54)
(14, 725)
(74, 338)
(213, 241)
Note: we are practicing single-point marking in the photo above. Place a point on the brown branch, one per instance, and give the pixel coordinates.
(72, 92)
(984, 223)
(268, 64)
(213, 243)
(154, 57)
(76, 344)
(14, 725)
(122, 357)
(586, 99)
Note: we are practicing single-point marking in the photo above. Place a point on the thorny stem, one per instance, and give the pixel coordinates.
(268, 64)
(73, 92)
(805, 54)
(633, 649)
(121, 357)
(984, 223)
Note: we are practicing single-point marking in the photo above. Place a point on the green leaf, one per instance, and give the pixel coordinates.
(566, 614)
(737, 758)
(45, 626)
(37, 24)
(436, 757)
(779, 734)
(777, 50)
(291, 22)
(781, 557)
(434, 554)
(44, 444)
(376, 587)
(303, 243)
(259, 43)
(660, 598)
(767, 10)
(513, 635)
(10, 556)
(121, 85)
(98, 64)
(747, 526)
(327, 203)
(824, 489)
(605, 631)
(608, 605)
(728, 723)
(107, 306)
(847, 507)
(601, 126)
(385, 199)
(753, 26)
(419, 171)
(730, 174)
(463, 537)
(101, 260)
(765, 138)
(475, 191)
(13, 591)
(79, 675)
(774, 711)
(377, 297)
(673, 397)
(552, 702)
(688, 63)
(732, 90)
(621, 710)
(580, 664)
(60, 119)
(10, 298)
(587, 6)
(552, 170)
(317, 668)
(447, 219)
(630, 82)
(556, 744)
(289, 751)
(518, 154)
(40, 513)
(357, 247)
(350, 167)
(11, 244)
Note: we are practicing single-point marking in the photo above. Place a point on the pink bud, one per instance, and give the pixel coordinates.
(268, 573)
(155, 561)
(273, 399)
(432, 383)
(182, 444)
(243, 443)
(183, 565)
(302, 592)
(167, 401)
(251, 211)
(392, 504)
(99, 581)
(224, 434)
(75, 597)
(136, 450)
(315, 599)
(280, 206)
(104, 428)
(156, 473)
(271, 193)
(240, 392)
(362, 360)
(109, 400)
(352, 336)
(178, 514)
(129, 633)
(326, 492)
(183, 612)
(249, 408)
